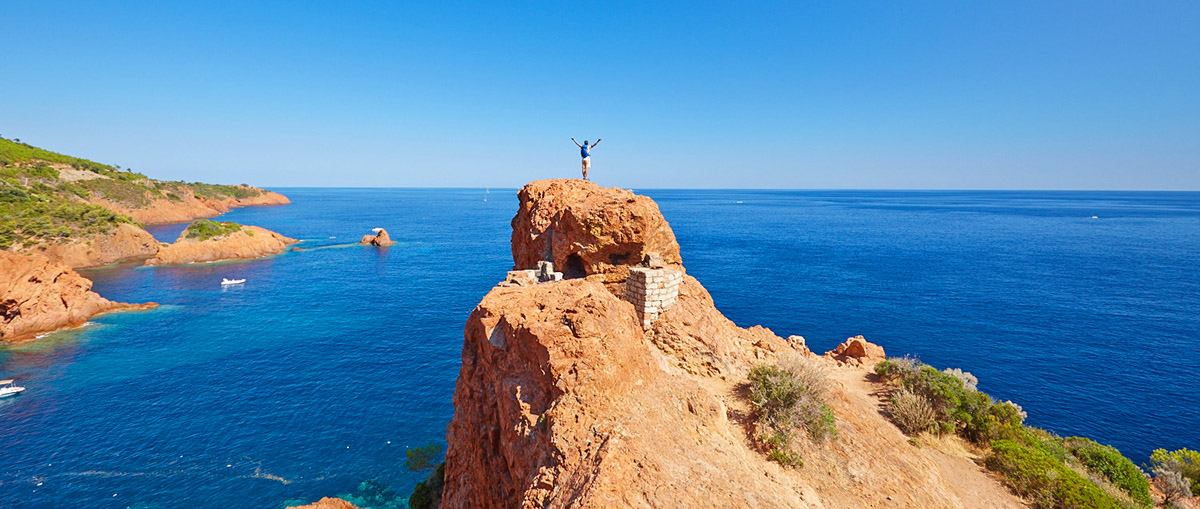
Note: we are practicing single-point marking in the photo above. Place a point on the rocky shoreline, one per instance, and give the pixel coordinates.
(38, 296)
(247, 243)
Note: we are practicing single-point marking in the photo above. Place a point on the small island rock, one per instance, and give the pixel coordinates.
(381, 239)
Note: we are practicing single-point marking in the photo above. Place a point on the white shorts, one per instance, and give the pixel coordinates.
(587, 161)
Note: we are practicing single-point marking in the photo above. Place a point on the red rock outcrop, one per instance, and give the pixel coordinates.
(563, 400)
(125, 241)
(38, 295)
(327, 503)
(858, 351)
(248, 243)
(588, 230)
(381, 239)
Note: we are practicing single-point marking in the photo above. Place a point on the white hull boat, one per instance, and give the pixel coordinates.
(8, 389)
(227, 282)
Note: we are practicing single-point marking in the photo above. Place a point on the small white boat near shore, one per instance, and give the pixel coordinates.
(227, 282)
(7, 388)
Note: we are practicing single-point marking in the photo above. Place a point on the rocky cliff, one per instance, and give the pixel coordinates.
(38, 295)
(564, 399)
(244, 243)
(588, 230)
(124, 241)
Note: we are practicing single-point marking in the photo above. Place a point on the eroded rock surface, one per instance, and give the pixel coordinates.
(587, 230)
(125, 241)
(248, 243)
(38, 295)
(327, 503)
(564, 400)
(381, 239)
(858, 351)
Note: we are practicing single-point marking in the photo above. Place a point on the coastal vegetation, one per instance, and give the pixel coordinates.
(204, 229)
(50, 197)
(1048, 470)
(427, 493)
(789, 397)
(1186, 461)
(33, 209)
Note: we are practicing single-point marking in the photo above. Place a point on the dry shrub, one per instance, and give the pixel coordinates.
(1168, 476)
(790, 396)
(810, 373)
(912, 412)
(970, 382)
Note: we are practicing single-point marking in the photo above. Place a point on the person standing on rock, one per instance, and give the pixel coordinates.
(587, 156)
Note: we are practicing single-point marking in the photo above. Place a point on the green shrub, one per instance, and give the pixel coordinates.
(1045, 481)
(959, 407)
(118, 191)
(12, 151)
(1188, 462)
(789, 396)
(428, 493)
(897, 368)
(218, 191)
(1108, 462)
(204, 229)
(421, 458)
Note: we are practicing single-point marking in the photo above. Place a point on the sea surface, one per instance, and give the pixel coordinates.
(314, 377)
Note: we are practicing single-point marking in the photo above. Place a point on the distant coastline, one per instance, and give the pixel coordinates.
(59, 213)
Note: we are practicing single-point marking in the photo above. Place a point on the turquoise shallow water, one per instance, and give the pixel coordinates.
(291, 387)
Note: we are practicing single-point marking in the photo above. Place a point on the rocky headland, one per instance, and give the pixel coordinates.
(85, 214)
(38, 295)
(186, 205)
(568, 396)
(124, 241)
(59, 212)
(202, 242)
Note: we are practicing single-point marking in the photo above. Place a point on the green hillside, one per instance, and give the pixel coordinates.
(39, 204)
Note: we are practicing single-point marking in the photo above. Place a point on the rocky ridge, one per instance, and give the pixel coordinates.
(189, 206)
(125, 241)
(247, 243)
(564, 399)
(38, 295)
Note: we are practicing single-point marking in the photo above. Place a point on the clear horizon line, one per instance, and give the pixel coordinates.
(914, 189)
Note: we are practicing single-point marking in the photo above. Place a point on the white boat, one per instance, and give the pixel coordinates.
(8, 389)
(227, 282)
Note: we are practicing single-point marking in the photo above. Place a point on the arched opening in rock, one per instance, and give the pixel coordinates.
(574, 268)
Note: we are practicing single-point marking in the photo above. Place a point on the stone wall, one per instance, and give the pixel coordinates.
(652, 291)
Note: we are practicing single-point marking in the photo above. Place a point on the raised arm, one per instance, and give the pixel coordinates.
(576, 142)
(597, 142)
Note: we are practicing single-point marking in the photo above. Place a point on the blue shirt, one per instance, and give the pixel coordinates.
(583, 151)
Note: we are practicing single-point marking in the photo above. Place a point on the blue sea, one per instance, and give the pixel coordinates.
(314, 377)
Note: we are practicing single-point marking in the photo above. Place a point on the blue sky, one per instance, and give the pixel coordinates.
(954, 95)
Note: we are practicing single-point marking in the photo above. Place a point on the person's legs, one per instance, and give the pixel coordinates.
(587, 163)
